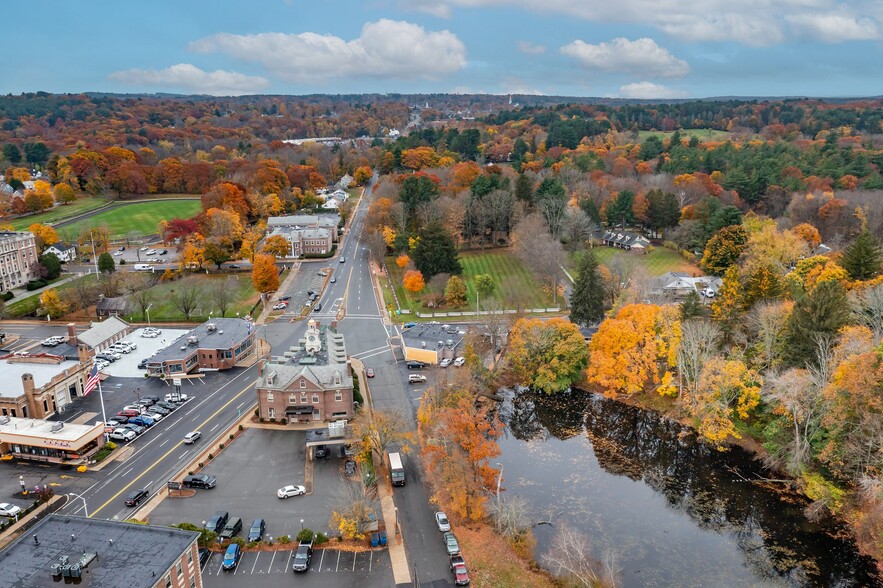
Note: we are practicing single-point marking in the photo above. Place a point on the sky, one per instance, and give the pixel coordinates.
(652, 49)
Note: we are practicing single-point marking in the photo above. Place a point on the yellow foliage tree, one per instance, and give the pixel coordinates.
(52, 303)
(277, 246)
(389, 236)
(44, 234)
(264, 275)
(727, 390)
(547, 355)
(64, 194)
(193, 254)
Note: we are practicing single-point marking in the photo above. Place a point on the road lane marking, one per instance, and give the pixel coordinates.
(163, 443)
(183, 455)
(174, 447)
(215, 427)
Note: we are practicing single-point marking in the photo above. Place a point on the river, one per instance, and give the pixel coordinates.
(673, 510)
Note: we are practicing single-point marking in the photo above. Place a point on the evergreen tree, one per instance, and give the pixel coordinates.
(862, 258)
(12, 154)
(51, 264)
(619, 212)
(662, 210)
(436, 253)
(589, 292)
(106, 264)
(524, 188)
(822, 312)
(692, 306)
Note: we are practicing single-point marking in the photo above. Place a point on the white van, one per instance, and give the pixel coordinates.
(143, 267)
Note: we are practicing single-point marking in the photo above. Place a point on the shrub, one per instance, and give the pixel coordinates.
(272, 419)
(7, 296)
(221, 447)
(262, 419)
(321, 538)
(306, 534)
(211, 457)
(231, 436)
(284, 539)
(257, 413)
(200, 464)
(284, 421)
(190, 473)
(122, 262)
(252, 544)
(241, 428)
(238, 541)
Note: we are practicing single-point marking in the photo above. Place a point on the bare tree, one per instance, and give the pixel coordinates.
(138, 286)
(799, 392)
(554, 209)
(699, 341)
(186, 296)
(510, 515)
(867, 305)
(376, 246)
(767, 322)
(222, 293)
(569, 557)
(380, 428)
(353, 509)
(621, 268)
(576, 228)
(539, 250)
(110, 285)
(495, 324)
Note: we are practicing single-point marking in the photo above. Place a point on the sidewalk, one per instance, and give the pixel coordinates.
(265, 311)
(25, 294)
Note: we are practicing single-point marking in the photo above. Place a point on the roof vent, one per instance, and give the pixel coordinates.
(192, 340)
(56, 427)
(4, 420)
(212, 327)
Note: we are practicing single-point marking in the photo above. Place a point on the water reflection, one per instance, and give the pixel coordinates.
(677, 512)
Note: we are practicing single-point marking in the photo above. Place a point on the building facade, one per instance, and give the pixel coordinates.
(99, 553)
(48, 441)
(311, 382)
(41, 385)
(218, 344)
(18, 259)
(100, 335)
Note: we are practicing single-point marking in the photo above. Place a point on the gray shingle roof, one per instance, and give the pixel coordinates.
(101, 332)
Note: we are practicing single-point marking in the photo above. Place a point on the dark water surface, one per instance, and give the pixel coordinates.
(675, 511)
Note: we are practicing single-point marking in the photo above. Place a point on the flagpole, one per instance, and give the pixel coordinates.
(103, 414)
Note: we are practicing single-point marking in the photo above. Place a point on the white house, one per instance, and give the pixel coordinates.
(62, 251)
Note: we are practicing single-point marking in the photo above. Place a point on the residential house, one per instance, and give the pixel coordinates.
(118, 306)
(63, 251)
(628, 240)
(310, 382)
(680, 284)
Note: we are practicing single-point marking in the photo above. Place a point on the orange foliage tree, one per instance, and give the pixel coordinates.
(808, 233)
(413, 281)
(403, 260)
(546, 355)
(277, 246)
(44, 234)
(264, 275)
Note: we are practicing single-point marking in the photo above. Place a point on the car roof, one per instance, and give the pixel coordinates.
(232, 548)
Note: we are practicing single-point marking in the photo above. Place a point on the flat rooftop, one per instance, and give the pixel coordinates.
(432, 334)
(129, 555)
(219, 333)
(43, 372)
(43, 430)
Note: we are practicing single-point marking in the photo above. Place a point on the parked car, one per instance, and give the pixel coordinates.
(415, 365)
(231, 529)
(138, 429)
(349, 467)
(136, 497)
(321, 452)
(256, 532)
(280, 306)
(106, 357)
(318, 307)
(150, 397)
(192, 437)
(284, 298)
(444, 362)
(175, 397)
(160, 410)
(409, 325)
(416, 378)
(142, 365)
(49, 343)
(458, 568)
(144, 248)
(204, 481)
(204, 555)
(122, 435)
(9, 510)
(231, 557)
(369, 372)
(460, 362)
(302, 556)
(451, 544)
(152, 415)
(441, 519)
(120, 420)
(136, 407)
(164, 252)
(234, 266)
(144, 421)
(129, 412)
(288, 491)
(216, 523)
(145, 402)
(150, 334)
(170, 406)
(151, 252)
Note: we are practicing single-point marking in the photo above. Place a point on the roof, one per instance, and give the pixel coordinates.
(321, 365)
(43, 372)
(219, 333)
(431, 335)
(61, 246)
(101, 332)
(128, 554)
(120, 304)
(41, 429)
(304, 220)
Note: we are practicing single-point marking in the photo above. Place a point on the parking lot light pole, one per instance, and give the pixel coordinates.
(147, 311)
(301, 524)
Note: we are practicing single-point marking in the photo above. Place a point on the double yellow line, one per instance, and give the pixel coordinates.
(167, 453)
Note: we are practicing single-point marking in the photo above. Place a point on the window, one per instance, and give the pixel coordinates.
(269, 396)
(315, 399)
(272, 413)
(315, 415)
(303, 397)
(338, 396)
(292, 398)
(180, 569)
(190, 556)
(193, 582)
(303, 383)
(169, 581)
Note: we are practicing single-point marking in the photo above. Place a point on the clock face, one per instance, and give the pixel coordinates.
(312, 337)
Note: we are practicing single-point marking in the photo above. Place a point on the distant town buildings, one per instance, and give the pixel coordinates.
(306, 234)
(218, 344)
(46, 382)
(18, 259)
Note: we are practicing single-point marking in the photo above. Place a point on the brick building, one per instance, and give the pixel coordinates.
(18, 259)
(311, 382)
(218, 344)
(101, 554)
(42, 384)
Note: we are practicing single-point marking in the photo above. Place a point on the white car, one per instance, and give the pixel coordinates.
(144, 249)
(289, 491)
(152, 415)
(150, 334)
(137, 407)
(460, 362)
(117, 253)
(58, 338)
(708, 293)
(123, 434)
(445, 362)
(175, 397)
(441, 519)
(191, 437)
(9, 510)
(151, 252)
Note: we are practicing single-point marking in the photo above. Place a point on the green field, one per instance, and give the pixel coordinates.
(28, 303)
(515, 283)
(701, 134)
(58, 213)
(141, 218)
(656, 262)
(164, 310)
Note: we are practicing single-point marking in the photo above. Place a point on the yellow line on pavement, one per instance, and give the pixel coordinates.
(154, 464)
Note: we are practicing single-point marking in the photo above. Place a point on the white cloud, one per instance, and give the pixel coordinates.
(649, 90)
(642, 56)
(749, 22)
(188, 77)
(529, 48)
(833, 28)
(386, 48)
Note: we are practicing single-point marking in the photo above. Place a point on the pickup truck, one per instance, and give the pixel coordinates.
(231, 529)
(302, 556)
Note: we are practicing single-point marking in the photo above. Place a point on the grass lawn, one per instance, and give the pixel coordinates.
(701, 134)
(142, 218)
(58, 213)
(514, 281)
(28, 303)
(657, 262)
(164, 310)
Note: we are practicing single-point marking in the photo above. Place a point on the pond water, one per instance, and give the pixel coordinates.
(675, 511)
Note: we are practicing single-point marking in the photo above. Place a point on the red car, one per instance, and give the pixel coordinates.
(369, 372)
(458, 567)
(129, 413)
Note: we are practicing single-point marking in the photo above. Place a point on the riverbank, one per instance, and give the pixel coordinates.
(866, 528)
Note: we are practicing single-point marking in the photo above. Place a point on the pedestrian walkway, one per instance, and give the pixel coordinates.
(22, 294)
(401, 572)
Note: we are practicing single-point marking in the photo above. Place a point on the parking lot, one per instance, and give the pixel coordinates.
(309, 279)
(127, 365)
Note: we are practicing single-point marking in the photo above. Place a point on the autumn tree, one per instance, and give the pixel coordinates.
(436, 253)
(44, 235)
(377, 430)
(762, 283)
(362, 175)
(587, 300)
(230, 197)
(403, 260)
(862, 258)
(724, 249)
(277, 246)
(186, 296)
(413, 281)
(821, 312)
(193, 254)
(455, 291)
(264, 275)
(353, 510)
(808, 233)
(52, 304)
(727, 390)
(546, 355)
(64, 194)
(222, 224)
(768, 322)
(216, 252)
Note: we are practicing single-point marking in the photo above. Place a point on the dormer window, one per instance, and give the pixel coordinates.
(303, 383)
(337, 378)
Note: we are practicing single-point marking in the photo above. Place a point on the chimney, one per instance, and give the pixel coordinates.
(72, 334)
(83, 354)
(27, 382)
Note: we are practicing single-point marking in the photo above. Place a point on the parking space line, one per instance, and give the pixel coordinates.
(370, 560)
(288, 562)
(269, 569)
(338, 561)
(256, 561)
(220, 567)
(322, 559)
(355, 557)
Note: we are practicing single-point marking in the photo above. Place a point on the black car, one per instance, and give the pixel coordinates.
(284, 298)
(142, 365)
(231, 529)
(107, 358)
(164, 251)
(136, 497)
(199, 481)
(321, 452)
(119, 419)
(257, 530)
(204, 554)
(166, 405)
(217, 522)
(160, 410)
(234, 266)
(151, 397)
(416, 365)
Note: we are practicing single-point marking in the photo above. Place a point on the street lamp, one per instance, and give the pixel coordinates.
(147, 310)
(301, 524)
(80, 496)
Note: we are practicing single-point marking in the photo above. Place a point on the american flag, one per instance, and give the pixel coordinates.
(92, 381)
